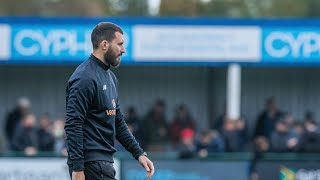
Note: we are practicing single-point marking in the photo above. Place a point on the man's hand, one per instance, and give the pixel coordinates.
(30, 151)
(292, 142)
(78, 175)
(147, 164)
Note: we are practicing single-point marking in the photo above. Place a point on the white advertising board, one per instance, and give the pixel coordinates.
(196, 43)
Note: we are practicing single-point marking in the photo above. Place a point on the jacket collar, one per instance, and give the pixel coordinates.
(99, 62)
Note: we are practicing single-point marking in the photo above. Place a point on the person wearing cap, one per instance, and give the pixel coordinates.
(14, 117)
(187, 147)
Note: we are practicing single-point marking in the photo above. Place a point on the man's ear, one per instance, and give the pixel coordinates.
(104, 45)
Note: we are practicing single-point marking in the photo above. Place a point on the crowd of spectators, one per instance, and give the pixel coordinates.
(275, 131)
(280, 132)
(181, 133)
(32, 135)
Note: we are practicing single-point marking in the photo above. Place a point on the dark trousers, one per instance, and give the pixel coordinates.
(98, 170)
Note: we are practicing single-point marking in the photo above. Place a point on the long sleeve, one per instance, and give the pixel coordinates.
(124, 136)
(80, 94)
(17, 142)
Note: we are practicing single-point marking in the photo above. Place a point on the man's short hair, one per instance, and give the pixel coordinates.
(104, 31)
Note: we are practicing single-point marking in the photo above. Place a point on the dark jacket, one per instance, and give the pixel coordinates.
(309, 142)
(12, 122)
(279, 141)
(94, 119)
(266, 124)
(46, 140)
(24, 137)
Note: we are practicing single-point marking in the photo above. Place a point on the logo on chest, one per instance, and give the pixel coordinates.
(112, 112)
(114, 103)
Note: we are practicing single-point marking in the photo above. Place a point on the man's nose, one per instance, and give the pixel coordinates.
(123, 50)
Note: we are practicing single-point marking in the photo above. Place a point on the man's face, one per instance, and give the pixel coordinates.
(115, 50)
(29, 120)
(281, 127)
(271, 105)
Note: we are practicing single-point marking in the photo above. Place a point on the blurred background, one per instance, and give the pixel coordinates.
(211, 89)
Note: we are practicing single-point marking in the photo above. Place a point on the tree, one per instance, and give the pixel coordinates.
(237, 8)
(208, 8)
(286, 8)
(54, 8)
(12, 7)
(179, 8)
(313, 7)
(76, 8)
(129, 7)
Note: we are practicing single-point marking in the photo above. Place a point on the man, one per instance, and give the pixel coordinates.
(14, 117)
(282, 140)
(45, 138)
(94, 118)
(267, 120)
(310, 139)
(157, 127)
(25, 137)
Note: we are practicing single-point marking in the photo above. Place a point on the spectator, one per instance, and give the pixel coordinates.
(218, 123)
(231, 136)
(60, 138)
(297, 130)
(14, 117)
(156, 131)
(261, 146)
(182, 120)
(45, 137)
(309, 115)
(310, 139)
(209, 142)
(281, 139)
(267, 119)
(241, 128)
(289, 120)
(134, 124)
(25, 137)
(187, 147)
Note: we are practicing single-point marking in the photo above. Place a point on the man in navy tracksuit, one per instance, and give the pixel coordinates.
(94, 119)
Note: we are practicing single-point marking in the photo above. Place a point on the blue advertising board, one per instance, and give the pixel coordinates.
(51, 43)
(290, 45)
(180, 41)
(288, 170)
(187, 170)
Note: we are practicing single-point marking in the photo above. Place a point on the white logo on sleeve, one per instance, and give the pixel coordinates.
(104, 87)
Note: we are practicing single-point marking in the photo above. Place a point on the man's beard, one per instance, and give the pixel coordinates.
(110, 57)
